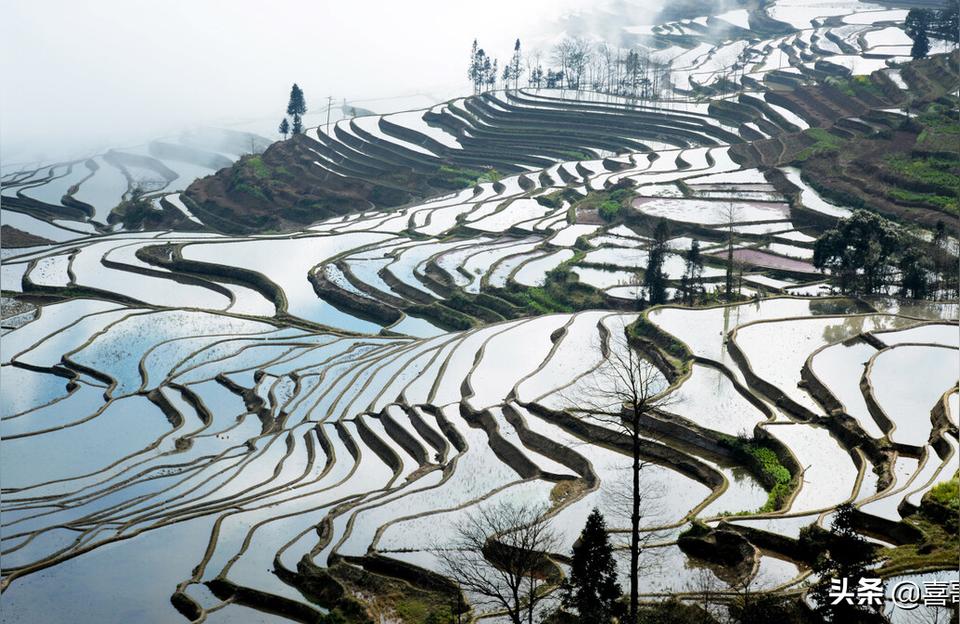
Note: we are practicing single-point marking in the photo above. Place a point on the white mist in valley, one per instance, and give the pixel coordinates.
(81, 77)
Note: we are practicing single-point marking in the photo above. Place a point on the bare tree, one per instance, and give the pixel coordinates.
(573, 54)
(578, 60)
(925, 614)
(707, 593)
(561, 54)
(730, 214)
(499, 557)
(623, 389)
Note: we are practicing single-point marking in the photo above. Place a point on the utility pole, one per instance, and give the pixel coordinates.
(329, 103)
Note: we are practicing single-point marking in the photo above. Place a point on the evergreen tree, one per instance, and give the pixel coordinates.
(653, 277)
(490, 71)
(917, 26)
(516, 67)
(915, 267)
(845, 556)
(475, 69)
(592, 589)
(940, 256)
(921, 46)
(945, 23)
(859, 251)
(536, 76)
(284, 128)
(296, 107)
(692, 280)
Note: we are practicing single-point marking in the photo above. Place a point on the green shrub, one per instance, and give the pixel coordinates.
(256, 167)
(609, 210)
(947, 494)
(582, 244)
(642, 327)
(451, 177)
(697, 529)
(253, 191)
(763, 462)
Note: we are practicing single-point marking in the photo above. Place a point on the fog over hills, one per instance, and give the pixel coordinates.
(83, 77)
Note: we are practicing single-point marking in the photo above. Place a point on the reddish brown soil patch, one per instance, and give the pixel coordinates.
(769, 261)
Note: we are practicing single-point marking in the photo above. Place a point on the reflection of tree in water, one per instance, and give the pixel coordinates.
(616, 502)
(830, 307)
(891, 322)
(741, 475)
(843, 328)
(932, 310)
(851, 326)
(731, 314)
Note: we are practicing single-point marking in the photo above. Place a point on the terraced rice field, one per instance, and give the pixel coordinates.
(241, 410)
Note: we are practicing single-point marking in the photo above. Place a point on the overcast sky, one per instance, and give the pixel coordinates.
(112, 72)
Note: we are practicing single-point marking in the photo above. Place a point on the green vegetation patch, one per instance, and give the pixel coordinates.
(256, 167)
(643, 328)
(947, 494)
(936, 551)
(762, 461)
(252, 176)
(453, 177)
(611, 204)
(856, 86)
(550, 200)
(928, 174)
(415, 610)
(561, 292)
(824, 144)
(941, 135)
(911, 164)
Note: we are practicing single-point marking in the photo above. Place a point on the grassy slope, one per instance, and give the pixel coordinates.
(906, 171)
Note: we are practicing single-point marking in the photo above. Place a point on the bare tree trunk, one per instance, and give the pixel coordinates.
(728, 284)
(635, 522)
(731, 215)
(530, 602)
(516, 611)
(621, 394)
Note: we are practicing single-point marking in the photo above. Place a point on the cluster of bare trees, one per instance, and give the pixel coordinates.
(608, 69)
(498, 557)
(500, 554)
(575, 63)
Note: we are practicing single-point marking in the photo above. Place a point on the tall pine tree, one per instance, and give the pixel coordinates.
(921, 46)
(296, 107)
(692, 280)
(592, 589)
(917, 26)
(844, 556)
(516, 65)
(653, 278)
